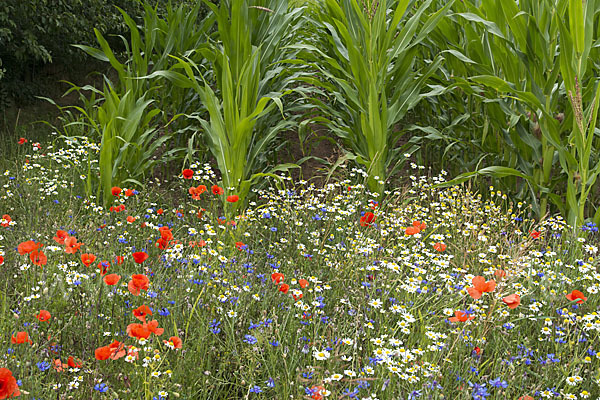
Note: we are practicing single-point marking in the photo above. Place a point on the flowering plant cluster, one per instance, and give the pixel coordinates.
(309, 292)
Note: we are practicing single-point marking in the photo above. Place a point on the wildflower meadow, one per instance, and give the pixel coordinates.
(333, 200)
(308, 293)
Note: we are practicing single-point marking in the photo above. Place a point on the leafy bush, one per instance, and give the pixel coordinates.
(34, 33)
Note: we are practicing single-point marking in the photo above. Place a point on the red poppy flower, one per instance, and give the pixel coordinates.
(239, 245)
(87, 259)
(421, 225)
(412, 230)
(8, 384)
(439, 247)
(138, 331)
(176, 341)
(152, 326)
(28, 247)
(160, 211)
(303, 283)
(38, 258)
(22, 337)
(43, 316)
(460, 316)
(117, 350)
(500, 273)
(284, 288)
(217, 190)
(187, 174)
(197, 191)
(233, 198)
(277, 277)
(129, 193)
(526, 398)
(143, 331)
(535, 234)
(6, 219)
(138, 283)
(367, 219)
(576, 295)
(72, 364)
(112, 279)
(165, 233)
(130, 219)
(140, 256)
(116, 190)
(141, 312)
(480, 286)
(103, 266)
(61, 236)
(103, 353)
(119, 260)
(512, 301)
(1, 260)
(71, 245)
(58, 365)
(317, 392)
(22, 141)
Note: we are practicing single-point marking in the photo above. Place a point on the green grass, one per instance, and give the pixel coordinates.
(371, 323)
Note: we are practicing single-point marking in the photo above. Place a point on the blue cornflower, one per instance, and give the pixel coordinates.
(163, 312)
(364, 385)
(256, 389)
(499, 383)
(101, 387)
(253, 326)
(43, 366)
(250, 339)
(270, 383)
(414, 394)
(479, 391)
(214, 325)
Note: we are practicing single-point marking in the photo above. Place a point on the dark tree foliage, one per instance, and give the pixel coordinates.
(36, 34)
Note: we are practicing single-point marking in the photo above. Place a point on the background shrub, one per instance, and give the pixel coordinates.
(36, 38)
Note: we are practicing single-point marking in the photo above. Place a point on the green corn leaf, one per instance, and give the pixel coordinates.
(576, 24)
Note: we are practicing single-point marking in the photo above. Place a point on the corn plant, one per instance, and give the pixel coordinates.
(366, 65)
(249, 82)
(147, 50)
(129, 142)
(128, 155)
(577, 39)
(515, 71)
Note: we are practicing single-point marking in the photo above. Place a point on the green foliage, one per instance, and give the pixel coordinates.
(366, 60)
(34, 33)
(122, 117)
(514, 62)
(245, 59)
(128, 142)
